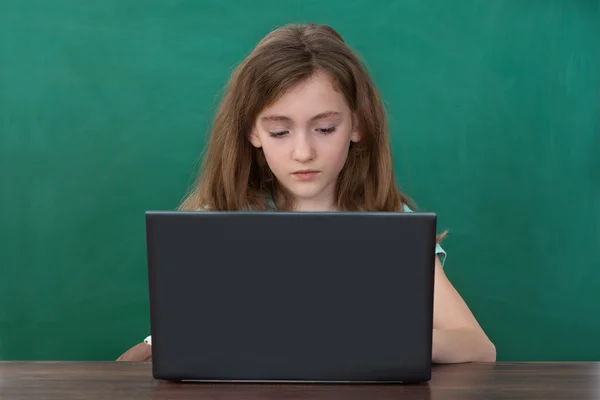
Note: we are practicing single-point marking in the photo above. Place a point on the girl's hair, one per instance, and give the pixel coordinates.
(235, 175)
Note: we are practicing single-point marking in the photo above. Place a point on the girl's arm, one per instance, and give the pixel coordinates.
(457, 336)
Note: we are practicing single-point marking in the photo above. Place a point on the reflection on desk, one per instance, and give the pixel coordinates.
(123, 380)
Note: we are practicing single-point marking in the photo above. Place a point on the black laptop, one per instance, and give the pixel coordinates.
(276, 296)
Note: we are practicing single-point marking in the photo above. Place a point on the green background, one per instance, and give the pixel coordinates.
(495, 115)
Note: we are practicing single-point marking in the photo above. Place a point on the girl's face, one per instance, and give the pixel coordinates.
(305, 137)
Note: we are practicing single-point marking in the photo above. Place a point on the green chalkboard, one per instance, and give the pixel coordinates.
(495, 114)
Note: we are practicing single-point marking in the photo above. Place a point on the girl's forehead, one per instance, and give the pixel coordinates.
(308, 99)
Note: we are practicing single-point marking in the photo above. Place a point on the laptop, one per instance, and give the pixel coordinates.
(291, 297)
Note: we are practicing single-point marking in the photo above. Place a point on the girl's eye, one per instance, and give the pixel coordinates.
(327, 130)
(283, 133)
(278, 134)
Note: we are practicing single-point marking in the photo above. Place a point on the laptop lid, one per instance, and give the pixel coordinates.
(263, 296)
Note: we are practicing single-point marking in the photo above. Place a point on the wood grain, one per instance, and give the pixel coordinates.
(127, 380)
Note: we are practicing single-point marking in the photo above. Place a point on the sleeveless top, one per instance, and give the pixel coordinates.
(441, 253)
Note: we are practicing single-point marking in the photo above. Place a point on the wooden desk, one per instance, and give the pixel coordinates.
(114, 381)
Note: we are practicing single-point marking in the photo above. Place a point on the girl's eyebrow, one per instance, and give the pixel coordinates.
(325, 114)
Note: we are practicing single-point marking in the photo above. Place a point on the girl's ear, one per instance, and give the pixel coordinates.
(254, 139)
(355, 137)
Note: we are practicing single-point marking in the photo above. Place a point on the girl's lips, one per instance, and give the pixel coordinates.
(305, 175)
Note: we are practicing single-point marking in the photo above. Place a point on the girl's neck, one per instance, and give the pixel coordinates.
(315, 206)
(325, 202)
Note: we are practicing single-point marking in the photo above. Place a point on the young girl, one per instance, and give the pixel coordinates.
(301, 127)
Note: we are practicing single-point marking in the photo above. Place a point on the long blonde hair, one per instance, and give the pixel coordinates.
(234, 174)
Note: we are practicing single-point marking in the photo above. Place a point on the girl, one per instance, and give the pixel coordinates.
(301, 127)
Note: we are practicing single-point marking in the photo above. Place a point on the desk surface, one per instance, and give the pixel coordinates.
(123, 380)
